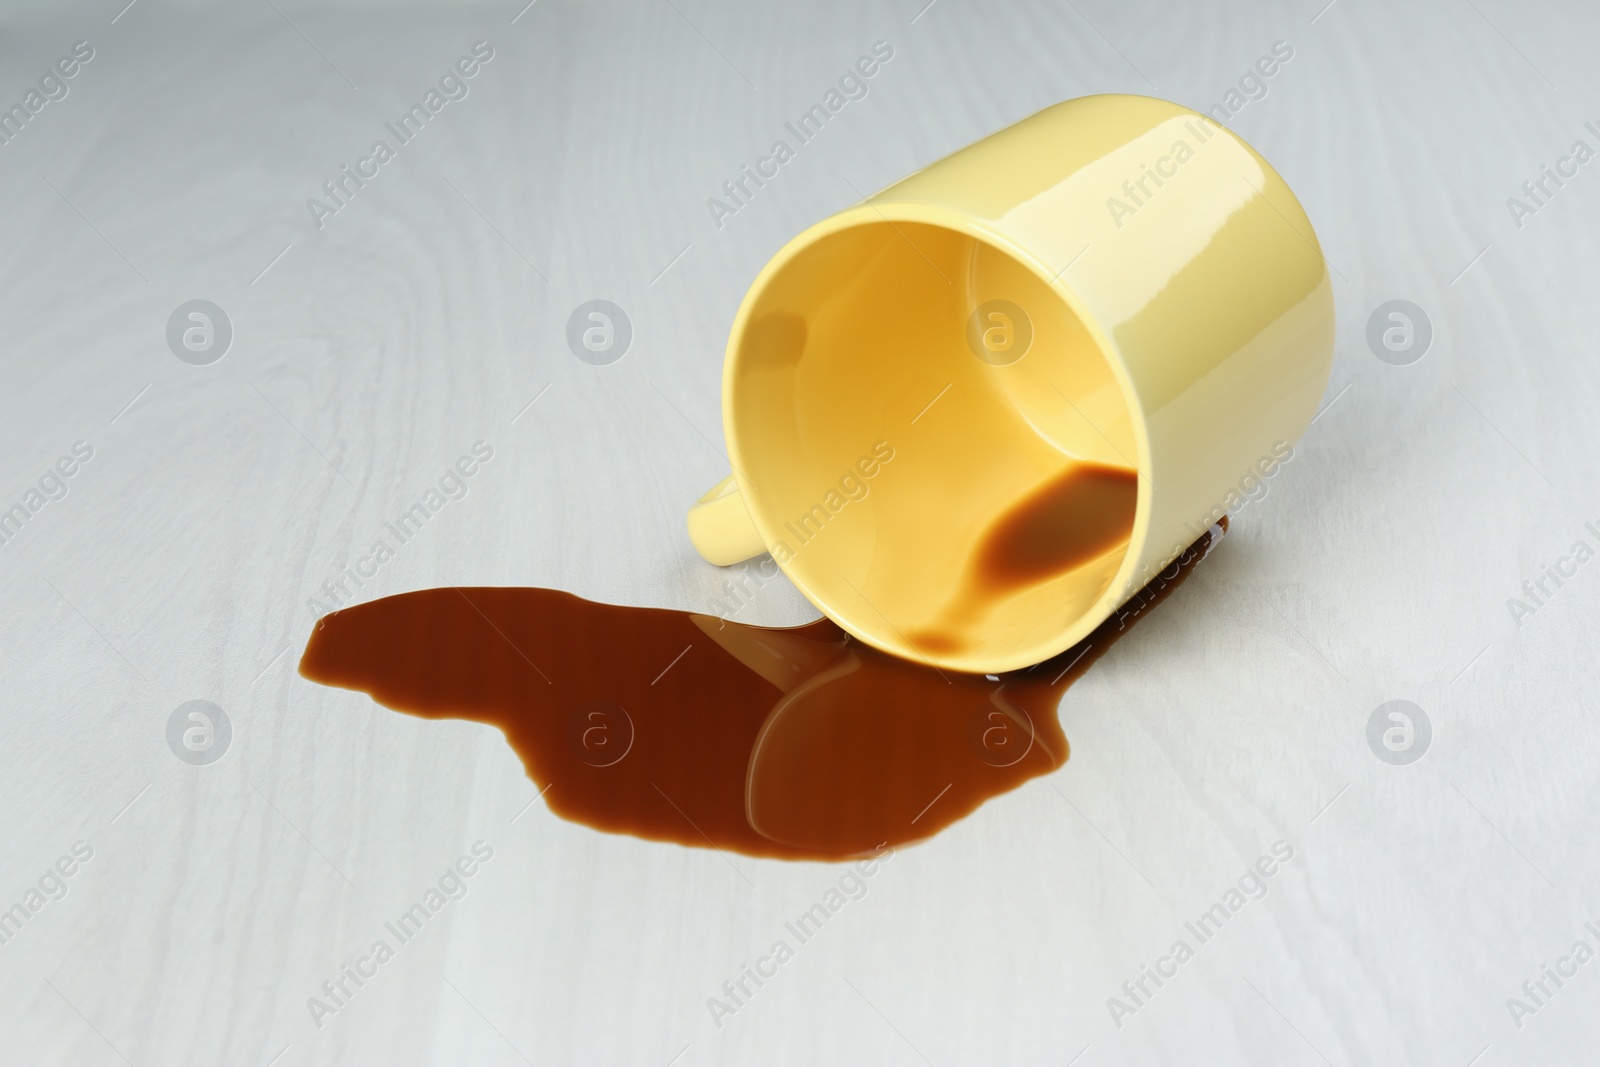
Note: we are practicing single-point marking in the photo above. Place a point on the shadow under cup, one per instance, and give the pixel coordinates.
(933, 445)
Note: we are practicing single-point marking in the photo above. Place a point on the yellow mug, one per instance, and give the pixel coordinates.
(975, 414)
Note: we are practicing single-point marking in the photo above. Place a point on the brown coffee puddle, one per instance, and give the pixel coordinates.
(1073, 519)
(796, 743)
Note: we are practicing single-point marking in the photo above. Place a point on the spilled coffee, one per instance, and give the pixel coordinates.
(795, 743)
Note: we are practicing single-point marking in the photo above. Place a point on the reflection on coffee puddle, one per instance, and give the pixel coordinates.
(797, 743)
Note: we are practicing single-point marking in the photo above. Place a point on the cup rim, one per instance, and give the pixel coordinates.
(871, 212)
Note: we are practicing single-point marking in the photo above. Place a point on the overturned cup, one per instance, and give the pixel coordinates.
(975, 414)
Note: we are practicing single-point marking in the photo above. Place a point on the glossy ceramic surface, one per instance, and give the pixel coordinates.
(1115, 280)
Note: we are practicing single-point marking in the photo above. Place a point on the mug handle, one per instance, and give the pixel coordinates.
(720, 527)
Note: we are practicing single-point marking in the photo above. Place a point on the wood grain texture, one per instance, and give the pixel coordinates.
(427, 313)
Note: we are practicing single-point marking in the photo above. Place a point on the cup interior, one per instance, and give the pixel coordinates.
(935, 446)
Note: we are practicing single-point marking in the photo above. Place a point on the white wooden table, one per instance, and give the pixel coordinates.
(425, 315)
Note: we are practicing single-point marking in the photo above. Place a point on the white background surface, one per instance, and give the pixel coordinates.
(430, 310)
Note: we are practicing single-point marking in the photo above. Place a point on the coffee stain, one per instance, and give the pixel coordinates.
(1075, 518)
(795, 743)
